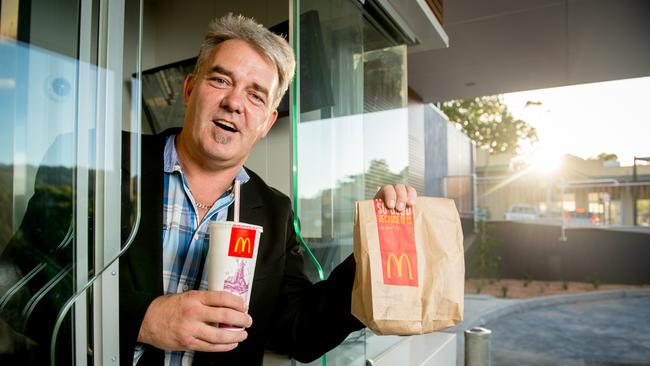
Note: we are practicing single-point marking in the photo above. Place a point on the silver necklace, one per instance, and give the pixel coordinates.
(208, 207)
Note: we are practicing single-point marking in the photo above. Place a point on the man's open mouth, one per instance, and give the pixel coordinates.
(225, 125)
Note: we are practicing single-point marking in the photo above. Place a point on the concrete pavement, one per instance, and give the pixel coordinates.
(602, 326)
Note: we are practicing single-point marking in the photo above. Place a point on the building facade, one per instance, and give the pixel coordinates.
(587, 191)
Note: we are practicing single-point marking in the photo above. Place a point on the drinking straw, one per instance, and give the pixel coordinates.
(236, 215)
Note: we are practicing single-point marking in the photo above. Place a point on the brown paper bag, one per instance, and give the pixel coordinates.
(410, 274)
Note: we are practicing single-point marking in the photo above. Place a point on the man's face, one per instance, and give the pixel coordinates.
(229, 104)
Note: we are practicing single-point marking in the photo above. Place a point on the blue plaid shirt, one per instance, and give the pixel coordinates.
(185, 239)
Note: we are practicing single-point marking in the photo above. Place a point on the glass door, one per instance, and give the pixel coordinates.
(68, 86)
(352, 134)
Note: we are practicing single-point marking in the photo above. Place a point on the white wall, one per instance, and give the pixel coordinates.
(175, 29)
(271, 157)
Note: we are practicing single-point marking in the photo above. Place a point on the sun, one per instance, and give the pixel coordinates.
(544, 159)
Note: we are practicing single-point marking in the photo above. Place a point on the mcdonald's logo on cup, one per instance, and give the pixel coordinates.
(245, 244)
(242, 241)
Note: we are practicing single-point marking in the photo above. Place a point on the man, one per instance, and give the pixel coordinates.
(242, 72)
(166, 314)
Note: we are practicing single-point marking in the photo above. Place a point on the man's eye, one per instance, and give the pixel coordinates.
(257, 98)
(219, 81)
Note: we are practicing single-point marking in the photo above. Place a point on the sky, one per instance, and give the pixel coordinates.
(588, 119)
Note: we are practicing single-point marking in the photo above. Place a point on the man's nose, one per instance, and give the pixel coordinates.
(233, 101)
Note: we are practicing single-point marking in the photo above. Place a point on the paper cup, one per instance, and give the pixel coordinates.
(231, 258)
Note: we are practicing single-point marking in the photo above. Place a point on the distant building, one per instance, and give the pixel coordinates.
(603, 189)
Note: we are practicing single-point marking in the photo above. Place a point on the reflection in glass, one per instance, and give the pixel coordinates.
(36, 242)
(353, 131)
(49, 182)
(347, 149)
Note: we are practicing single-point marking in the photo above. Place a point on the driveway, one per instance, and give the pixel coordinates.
(604, 332)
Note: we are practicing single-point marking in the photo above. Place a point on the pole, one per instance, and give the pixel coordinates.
(562, 185)
(634, 193)
(478, 347)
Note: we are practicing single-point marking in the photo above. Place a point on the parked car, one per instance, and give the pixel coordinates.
(581, 216)
(522, 212)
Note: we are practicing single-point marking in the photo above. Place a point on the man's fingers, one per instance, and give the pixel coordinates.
(412, 195)
(184, 321)
(387, 193)
(227, 316)
(214, 335)
(223, 299)
(221, 347)
(203, 346)
(397, 196)
(400, 191)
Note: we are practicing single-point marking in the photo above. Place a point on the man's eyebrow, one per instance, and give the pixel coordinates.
(221, 70)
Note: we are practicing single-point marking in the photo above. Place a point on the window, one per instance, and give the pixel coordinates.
(64, 106)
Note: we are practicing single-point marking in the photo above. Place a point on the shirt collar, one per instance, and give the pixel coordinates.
(171, 163)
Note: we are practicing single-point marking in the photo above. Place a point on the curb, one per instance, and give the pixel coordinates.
(525, 305)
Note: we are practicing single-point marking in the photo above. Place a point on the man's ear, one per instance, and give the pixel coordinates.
(187, 88)
(269, 123)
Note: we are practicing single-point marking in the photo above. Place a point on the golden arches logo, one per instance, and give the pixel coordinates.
(245, 243)
(398, 263)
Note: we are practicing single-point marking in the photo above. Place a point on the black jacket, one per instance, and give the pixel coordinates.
(290, 314)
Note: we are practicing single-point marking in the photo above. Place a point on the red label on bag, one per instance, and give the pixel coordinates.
(242, 242)
(399, 258)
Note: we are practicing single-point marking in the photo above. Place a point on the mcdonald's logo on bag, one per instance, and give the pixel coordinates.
(396, 233)
(242, 242)
(400, 269)
(398, 263)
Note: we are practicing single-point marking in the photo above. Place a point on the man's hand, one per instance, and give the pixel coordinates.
(397, 196)
(188, 321)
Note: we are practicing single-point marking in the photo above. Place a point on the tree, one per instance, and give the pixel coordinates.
(487, 121)
(605, 157)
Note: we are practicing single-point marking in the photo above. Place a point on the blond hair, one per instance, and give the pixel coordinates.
(269, 45)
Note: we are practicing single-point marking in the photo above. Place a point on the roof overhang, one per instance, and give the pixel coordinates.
(502, 46)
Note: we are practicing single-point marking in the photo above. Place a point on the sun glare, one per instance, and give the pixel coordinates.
(586, 120)
(545, 159)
